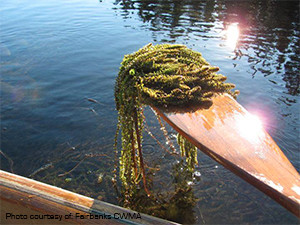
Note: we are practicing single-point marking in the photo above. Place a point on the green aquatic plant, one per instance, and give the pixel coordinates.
(175, 202)
(188, 150)
(165, 76)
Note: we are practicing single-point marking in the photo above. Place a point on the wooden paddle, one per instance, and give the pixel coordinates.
(234, 138)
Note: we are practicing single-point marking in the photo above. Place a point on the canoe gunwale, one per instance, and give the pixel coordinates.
(48, 199)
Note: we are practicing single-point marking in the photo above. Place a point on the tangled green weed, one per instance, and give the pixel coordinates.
(165, 76)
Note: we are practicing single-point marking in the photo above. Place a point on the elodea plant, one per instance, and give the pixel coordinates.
(164, 76)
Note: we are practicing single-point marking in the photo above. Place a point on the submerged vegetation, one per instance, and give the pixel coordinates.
(176, 203)
(164, 76)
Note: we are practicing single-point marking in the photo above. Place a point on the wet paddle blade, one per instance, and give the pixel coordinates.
(234, 138)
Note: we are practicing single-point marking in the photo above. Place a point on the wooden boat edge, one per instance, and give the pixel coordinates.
(45, 198)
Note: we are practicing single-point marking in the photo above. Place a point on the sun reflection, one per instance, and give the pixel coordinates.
(232, 35)
(250, 127)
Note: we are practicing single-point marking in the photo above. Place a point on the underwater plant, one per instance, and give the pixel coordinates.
(164, 76)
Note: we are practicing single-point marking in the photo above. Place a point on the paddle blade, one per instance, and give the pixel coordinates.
(234, 138)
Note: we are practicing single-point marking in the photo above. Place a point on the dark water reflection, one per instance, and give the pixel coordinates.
(270, 29)
(57, 54)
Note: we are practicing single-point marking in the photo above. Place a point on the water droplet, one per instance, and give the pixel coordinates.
(197, 174)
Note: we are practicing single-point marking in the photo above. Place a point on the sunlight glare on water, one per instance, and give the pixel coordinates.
(232, 35)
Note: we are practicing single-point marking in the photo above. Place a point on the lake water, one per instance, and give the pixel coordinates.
(57, 54)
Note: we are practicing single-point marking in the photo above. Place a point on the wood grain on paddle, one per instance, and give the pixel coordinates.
(235, 138)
